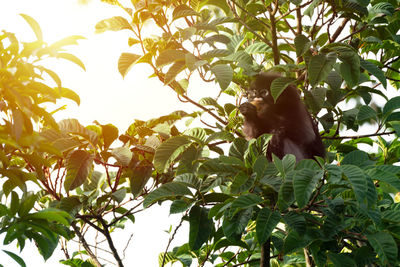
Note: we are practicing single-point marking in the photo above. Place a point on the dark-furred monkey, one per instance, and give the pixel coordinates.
(294, 131)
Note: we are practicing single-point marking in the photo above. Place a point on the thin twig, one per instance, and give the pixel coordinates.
(357, 136)
(170, 240)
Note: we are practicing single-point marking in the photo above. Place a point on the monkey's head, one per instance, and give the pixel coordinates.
(259, 91)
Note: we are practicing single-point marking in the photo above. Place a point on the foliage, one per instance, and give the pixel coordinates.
(338, 211)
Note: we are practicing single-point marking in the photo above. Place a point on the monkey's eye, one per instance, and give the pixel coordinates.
(262, 93)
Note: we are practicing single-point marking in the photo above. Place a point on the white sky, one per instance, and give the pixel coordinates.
(105, 97)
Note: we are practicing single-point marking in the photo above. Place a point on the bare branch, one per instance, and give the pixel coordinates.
(85, 244)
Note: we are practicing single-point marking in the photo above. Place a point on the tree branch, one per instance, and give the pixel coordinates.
(85, 244)
(110, 242)
(339, 30)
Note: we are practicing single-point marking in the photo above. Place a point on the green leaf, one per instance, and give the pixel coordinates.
(242, 182)
(183, 11)
(258, 48)
(169, 150)
(179, 206)
(384, 176)
(238, 148)
(374, 70)
(139, 177)
(14, 204)
(356, 157)
(71, 204)
(193, 63)
(392, 104)
(169, 190)
(200, 227)
(189, 179)
(286, 194)
(350, 72)
(296, 221)
(220, 38)
(119, 195)
(169, 56)
(234, 227)
(293, 242)
(79, 164)
(72, 58)
(224, 136)
(51, 215)
(315, 98)
(304, 183)
(357, 180)
(320, 66)
(246, 201)
(302, 45)
(45, 245)
(215, 166)
(366, 113)
(279, 85)
(215, 53)
(223, 74)
(209, 101)
(27, 203)
(126, 61)
(113, 24)
(15, 257)
(266, 222)
(342, 260)
(382, 8)
(34, 26)
(384, 244)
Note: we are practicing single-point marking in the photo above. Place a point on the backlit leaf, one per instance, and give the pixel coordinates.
(78, 165)
(169, 150)
(113, 24)
(183, 11)
(126, 61)
(34, 26)
(72, 58)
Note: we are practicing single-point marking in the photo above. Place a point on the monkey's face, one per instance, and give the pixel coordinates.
(261, 105)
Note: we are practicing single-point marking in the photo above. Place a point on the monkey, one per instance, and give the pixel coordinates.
(287, 119)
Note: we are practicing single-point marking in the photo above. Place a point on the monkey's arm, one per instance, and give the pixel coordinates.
(249, 111)
(251, 125)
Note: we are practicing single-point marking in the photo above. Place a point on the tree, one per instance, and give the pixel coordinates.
(242, 209)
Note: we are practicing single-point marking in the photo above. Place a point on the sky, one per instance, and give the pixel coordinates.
(105, 97)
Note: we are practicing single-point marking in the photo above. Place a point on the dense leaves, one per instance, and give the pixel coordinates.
(342, 210)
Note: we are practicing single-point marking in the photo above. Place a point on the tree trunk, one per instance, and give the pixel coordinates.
(265, 254)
